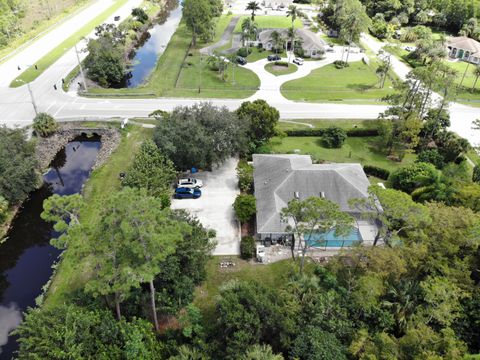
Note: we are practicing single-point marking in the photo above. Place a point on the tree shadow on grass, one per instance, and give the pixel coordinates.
(361, 87)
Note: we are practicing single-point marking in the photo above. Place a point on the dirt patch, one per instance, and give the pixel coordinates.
(279, 68)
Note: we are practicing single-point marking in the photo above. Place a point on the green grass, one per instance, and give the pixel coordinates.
(174, 78)
(40, 27)
(321, 123)
(281, 70)
(220, 26)
(31, 74)
(270, 22)
(72, 274)
(271, 275)
(363, 150)
(331, 40)
(358, 82)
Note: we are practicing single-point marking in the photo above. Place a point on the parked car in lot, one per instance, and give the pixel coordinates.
(298, 61)
(190, 183)
(187, 193)
(273, 57)
(241, 60)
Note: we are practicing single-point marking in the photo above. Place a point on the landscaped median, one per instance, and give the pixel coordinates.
(31, 73)
(281, 68)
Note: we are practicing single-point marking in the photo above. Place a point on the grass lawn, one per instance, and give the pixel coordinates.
(31, 74)
(363, 150)
(271, 275)
(38, 22)
(278, 70)
(71, 275)
(321, 123)
(331, 40)
(270, 22)
(358, 82)
(260, 54)
(174, 77)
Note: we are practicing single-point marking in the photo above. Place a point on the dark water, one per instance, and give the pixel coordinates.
(156, 40)
(27, 256)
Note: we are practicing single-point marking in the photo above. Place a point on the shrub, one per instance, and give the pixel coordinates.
(44, 125)
(334, 137)
(376, 171)
(281, 63)
(431, 156)
(340, 64)
(244, 51)
(245, 207)
(413, 176)
(3, 209)
(247, 247)
(476, 174)
(245, 176)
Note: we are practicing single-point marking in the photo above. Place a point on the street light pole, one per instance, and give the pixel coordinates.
(81, 68)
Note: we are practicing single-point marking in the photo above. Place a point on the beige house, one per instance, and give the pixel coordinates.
(464, 48)
(277, 3)
(310, 42)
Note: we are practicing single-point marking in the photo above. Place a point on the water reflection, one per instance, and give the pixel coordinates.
(27, 256)
(146, 55)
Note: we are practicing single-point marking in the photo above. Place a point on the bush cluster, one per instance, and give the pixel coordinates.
(247, 247)
(334, 137)
(340, 64)
(376, 171)
(281, 63)
(244, 51)
(321, 132)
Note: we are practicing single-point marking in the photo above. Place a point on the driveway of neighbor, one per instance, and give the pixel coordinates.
(214, 208)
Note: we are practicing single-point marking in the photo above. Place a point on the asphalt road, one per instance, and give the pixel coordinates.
(16, 108)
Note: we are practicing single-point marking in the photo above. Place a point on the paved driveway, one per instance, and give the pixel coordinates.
(214, 209)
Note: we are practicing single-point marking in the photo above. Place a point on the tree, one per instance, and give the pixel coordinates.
(17, 165)
(293, 13)
(3, 209)
(316, 344)
(245, 207)
(253, 6)
(262, 120)
(198, 15)
(277, 40)
(476, 174)
(247, 247)
(334, 137)
(476, 73)
(69, 331)
(353, 21)
(152, 171)
(314, 217)
(410, 177)
(249, 30)
(245, 177)
(105, 62)
(261, 352)
(44, 125)
(140, 15)
(214, 135)
(394, 211)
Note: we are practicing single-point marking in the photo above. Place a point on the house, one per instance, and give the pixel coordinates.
(280, 178)
(311, 44)
(464, 48)
(274, 4)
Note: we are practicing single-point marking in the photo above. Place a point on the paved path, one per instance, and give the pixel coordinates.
(224, 40)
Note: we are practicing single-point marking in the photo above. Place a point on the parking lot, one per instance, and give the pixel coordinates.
(214, 208)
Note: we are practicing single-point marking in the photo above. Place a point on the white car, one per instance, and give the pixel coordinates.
(190, 183)
(298, 61)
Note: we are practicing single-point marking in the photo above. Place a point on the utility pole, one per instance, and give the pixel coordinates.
(33, 99)
(81, 69)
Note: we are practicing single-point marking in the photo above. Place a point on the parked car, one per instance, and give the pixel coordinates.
(190, 183)
(116, 18)
(273, 57)
(330, 49)
(298, 61)
(241, 60)
(187, 193)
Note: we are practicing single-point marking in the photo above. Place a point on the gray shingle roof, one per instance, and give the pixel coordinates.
(310, 41)
(278, 177)
(465, 43)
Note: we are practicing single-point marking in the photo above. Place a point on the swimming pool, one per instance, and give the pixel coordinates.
(330, 240)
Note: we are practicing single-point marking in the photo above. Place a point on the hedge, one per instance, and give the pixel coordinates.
(321, 132)
(281, 63)
(376, 171)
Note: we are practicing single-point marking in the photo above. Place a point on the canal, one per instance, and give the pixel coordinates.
(26, 257)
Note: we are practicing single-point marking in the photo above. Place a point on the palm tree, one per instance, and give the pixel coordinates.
(353, 22)
(476, 73)
(253, 6)
(277, 40)
(293, 13)
(232, 58)
(249, 30)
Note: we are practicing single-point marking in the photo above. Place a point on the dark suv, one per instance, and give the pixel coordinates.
(241, 60)
(274, 57)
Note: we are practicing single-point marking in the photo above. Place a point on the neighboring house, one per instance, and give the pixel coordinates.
(311, 44)
(464, 48)
(280, 178)
(277, 3)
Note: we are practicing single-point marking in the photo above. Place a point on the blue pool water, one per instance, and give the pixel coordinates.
(331, 240)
